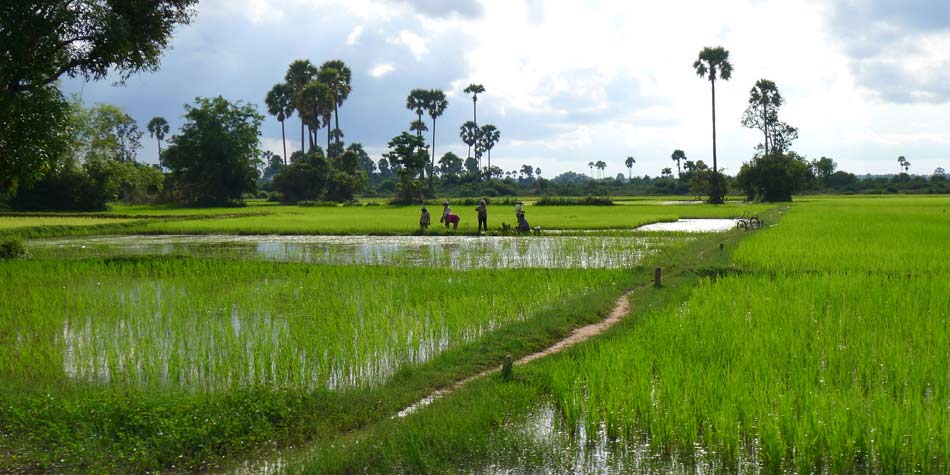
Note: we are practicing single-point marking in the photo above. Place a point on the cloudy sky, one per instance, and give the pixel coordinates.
(568, 82)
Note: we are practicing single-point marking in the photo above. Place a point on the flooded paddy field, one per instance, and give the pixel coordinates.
(815, 345)
(455, 252)
(804, 355)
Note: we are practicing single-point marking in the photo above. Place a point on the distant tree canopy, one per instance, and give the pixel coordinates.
(97, 165)
(40, 41)
(213, 159)
(774, 177)
(312, 176)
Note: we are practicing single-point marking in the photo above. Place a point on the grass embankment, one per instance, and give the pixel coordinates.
(128, 365)
(824, 347)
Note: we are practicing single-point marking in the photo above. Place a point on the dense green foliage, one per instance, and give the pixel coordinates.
(213, 158)
(96, 165)
(774, 177)
(40, 41)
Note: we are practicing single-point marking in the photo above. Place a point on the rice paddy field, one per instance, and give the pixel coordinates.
(821, 346)
(237, 344)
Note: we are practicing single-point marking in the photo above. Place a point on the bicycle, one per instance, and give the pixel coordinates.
(746, 223)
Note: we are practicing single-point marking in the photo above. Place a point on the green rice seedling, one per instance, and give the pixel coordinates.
(893, 235)
(212, 325)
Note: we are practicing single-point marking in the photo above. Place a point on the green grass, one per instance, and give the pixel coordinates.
(127, 365)
(404, 220)
(822, 348)
(19, 222)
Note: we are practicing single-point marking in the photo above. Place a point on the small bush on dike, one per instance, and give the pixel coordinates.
(12, 248)
(586, 201)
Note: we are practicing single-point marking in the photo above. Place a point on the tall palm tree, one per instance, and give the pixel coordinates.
(469, 135)
(328, 103)
(900, 161)
(436, 106)
(629, 163)
(537, 172)
(601, 165)
(341, 88)
(158, 127)
(280, 103)
(714, 64)
(490, 136)
(417, 101)
(677, 156)
(311, 107)
(299, 74)
(474, 90)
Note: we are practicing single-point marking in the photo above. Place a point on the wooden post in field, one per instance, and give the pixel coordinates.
(657, 275)
(506, 368)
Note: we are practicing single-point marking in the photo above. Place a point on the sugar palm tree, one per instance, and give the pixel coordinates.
(341, 88)
(311, 107)
(629, 163)
(474, 90)
(901, 160)
(158, 127)
(601, 165)
(417, 101)
(436, 105)
(329, 77)
(469, 135)
(591, 165)
(280, 104)
(490, 136)
(300, 73)
(713, 63)
(677, 156)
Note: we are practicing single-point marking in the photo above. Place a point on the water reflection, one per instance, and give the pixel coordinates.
(691, 226)
(459, 252)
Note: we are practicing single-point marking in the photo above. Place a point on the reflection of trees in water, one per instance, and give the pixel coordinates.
(457, 252)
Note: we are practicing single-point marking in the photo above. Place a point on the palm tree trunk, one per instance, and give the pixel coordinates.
(475, 110)
(283, 138)
(160, 167)
(432, 169)
(328, 138)
(336, 119)
(765, 126)
(489, 164)
(301, 137)
(713, 82)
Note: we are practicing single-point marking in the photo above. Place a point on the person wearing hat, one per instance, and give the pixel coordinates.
(519, 216)
(448, 217)
(482, 210)
(424, 219)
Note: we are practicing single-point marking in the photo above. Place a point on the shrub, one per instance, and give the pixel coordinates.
(12, 248)
(585, 201)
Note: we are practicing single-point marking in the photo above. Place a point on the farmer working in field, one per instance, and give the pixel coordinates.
(448, 217)
(424, 219)
(482, 210)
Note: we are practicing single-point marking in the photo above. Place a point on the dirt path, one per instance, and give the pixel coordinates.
(579, 335)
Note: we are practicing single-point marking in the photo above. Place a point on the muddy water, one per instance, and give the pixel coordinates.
(460, 252)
